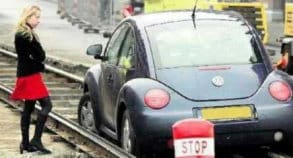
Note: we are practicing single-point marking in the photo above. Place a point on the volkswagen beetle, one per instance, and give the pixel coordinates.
(163, 67)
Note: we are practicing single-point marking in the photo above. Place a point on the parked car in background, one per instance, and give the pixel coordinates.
(163, 67)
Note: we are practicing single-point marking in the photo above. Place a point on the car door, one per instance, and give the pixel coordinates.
(107, 77)
(125, 69)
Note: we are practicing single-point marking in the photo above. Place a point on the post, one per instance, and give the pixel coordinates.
(194, 138)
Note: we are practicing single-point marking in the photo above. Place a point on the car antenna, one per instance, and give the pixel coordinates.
(193, 14)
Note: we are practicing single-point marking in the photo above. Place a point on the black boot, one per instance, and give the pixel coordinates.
(24, 126)
(24, 145)
(27, 148)
(36, 141)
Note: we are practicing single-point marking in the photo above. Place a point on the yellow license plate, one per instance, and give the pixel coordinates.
(227, 113)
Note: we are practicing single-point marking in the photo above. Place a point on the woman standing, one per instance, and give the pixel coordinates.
(29, 85)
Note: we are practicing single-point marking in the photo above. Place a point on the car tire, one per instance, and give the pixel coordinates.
(127, 137)
(85, 113)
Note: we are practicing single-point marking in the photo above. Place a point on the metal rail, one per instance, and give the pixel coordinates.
(49, 68)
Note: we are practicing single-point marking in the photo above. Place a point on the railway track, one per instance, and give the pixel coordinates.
(66, 91)
(65, 94)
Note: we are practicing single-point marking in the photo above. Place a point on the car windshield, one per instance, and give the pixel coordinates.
(212, 42)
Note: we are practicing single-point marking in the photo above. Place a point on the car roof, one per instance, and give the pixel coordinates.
(171, 16)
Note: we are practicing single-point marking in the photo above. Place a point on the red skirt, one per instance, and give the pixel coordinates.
(30, 87)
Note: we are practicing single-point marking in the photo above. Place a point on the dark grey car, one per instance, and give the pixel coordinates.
(160, 68)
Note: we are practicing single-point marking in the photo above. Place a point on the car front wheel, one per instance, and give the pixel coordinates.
(85, 113)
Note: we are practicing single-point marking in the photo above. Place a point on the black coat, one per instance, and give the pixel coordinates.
(30, 53)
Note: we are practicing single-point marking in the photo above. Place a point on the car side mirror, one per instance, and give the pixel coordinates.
(107, 34)
(95, 50)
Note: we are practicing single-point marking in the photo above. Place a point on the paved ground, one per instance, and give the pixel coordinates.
(10, 139)
(59, 38)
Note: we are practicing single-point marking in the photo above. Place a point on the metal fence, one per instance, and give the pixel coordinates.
(92, 15)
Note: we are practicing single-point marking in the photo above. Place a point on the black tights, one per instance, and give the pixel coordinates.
(29, 106)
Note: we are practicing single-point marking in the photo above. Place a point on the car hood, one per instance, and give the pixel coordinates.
(196, 83)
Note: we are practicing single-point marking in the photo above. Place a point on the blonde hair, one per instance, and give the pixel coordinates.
(21, 26)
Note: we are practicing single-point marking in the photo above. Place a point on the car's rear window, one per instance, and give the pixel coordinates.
(212, 42)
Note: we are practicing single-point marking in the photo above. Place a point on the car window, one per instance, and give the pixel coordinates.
(126, 59)
(115, 44)
(213, 42)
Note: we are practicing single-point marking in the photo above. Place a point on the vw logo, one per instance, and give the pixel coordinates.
(218, 81)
